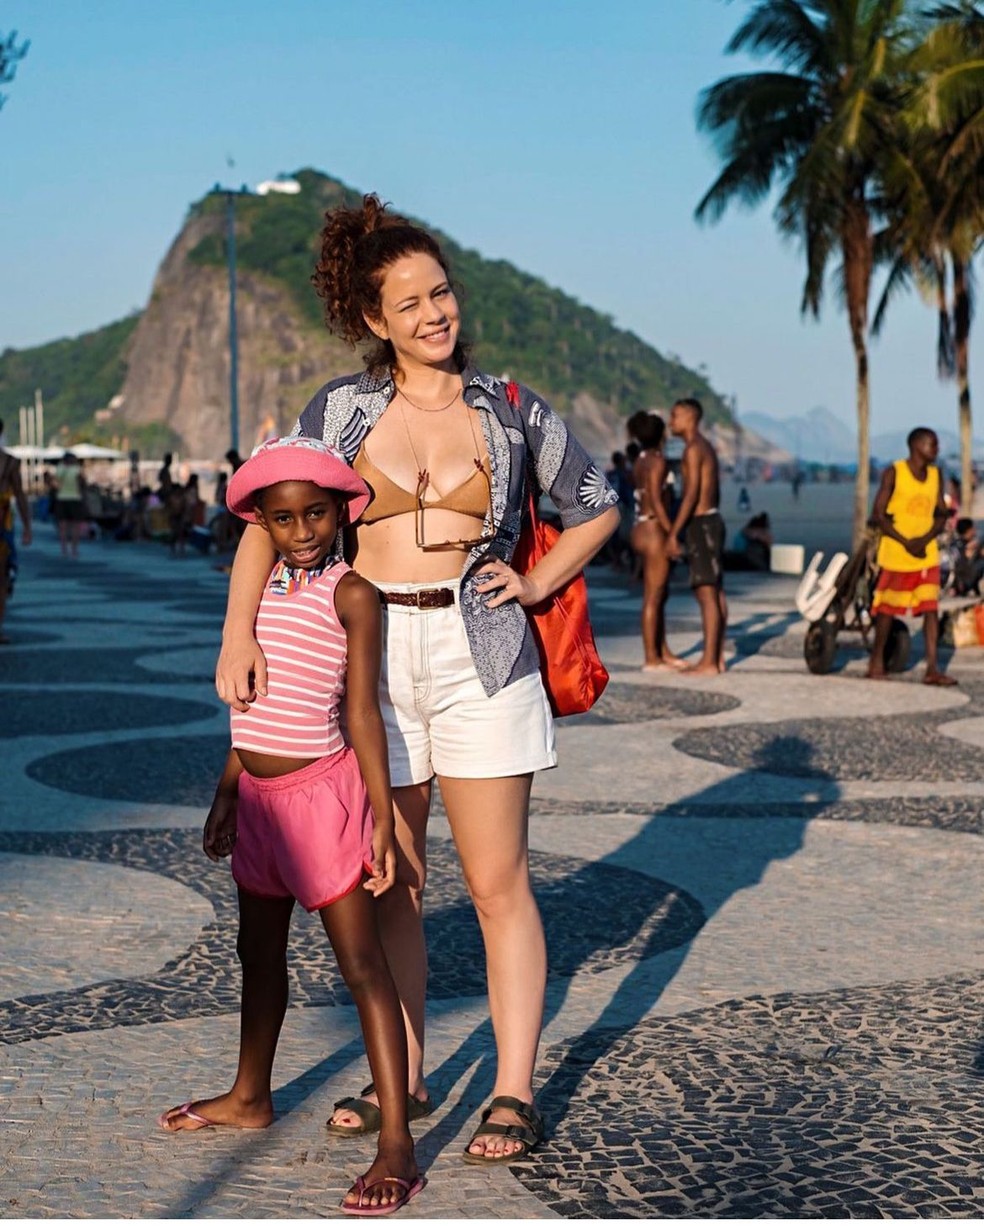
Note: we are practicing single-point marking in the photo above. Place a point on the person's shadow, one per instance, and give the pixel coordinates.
(662, 941)
(601, 914)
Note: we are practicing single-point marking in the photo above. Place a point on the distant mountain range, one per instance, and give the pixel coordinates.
(819, 437)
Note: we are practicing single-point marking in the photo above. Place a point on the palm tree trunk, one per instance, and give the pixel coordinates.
(862, 484)
(858, 249)
(961, 344)
(944, 339)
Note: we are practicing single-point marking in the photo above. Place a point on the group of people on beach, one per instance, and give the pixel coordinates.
(376, 641)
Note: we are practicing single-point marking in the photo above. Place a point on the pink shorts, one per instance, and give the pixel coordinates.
(306, 835)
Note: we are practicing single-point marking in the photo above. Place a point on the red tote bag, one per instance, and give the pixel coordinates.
(573, 674)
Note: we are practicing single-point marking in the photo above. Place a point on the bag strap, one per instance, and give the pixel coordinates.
(512, 396)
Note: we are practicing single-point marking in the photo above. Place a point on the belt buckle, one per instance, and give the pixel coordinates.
(430, 598)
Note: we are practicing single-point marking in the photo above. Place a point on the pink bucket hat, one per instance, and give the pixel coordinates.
(295, 459)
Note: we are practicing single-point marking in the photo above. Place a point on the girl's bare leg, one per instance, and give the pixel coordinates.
(489, 820)
(264, 924)
(351, 924)
(401, 930)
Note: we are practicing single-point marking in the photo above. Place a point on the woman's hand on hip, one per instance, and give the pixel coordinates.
(241, 672)
(502, 584)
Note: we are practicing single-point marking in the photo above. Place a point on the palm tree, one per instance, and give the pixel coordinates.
(933, 230)
(947, 116)
(820, 131)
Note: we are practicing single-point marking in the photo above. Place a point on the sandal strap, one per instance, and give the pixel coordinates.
(518, 1132)
(525, 1111)
(368, 1113)
(366, 1188)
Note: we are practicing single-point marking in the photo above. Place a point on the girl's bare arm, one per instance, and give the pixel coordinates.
(655, 484)
(241, 672)
(357, 604)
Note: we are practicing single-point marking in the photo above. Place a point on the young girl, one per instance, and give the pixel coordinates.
(295, 805)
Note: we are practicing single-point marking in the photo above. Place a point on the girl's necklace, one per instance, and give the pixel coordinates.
(420, 408)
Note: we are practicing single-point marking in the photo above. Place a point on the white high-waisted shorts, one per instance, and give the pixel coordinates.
(439, 720)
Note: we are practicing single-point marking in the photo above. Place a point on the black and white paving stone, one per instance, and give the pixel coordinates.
(766, 951)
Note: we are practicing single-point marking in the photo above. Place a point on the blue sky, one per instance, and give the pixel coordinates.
(558, 134)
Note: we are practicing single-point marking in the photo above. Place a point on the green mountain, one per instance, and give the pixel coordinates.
(516, 322)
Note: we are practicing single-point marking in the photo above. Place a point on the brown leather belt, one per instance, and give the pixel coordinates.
(426, 598)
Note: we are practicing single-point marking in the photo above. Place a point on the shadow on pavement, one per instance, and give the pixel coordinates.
(726, 874)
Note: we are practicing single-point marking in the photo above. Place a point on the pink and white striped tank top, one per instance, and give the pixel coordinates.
(305, 648)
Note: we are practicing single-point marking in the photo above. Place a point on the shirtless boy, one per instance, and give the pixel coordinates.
(700, 523)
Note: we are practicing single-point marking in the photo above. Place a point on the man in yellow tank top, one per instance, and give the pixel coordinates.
(910, 512)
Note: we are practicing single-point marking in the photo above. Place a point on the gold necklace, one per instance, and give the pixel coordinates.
(423, 476)
(420, 408)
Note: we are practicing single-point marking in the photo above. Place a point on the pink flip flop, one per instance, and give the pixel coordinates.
(184, 1112)
(362, 1210)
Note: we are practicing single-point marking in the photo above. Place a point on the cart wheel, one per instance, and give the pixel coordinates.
(820, 647)
(897, 647)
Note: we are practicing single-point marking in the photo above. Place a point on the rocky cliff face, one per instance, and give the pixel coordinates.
(178, 357)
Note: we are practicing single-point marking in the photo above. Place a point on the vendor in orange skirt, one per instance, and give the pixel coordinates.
(910, 512)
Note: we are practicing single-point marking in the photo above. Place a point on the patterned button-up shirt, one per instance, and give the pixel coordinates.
(530, 437)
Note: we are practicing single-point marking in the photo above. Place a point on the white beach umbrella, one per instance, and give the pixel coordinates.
(90, 451)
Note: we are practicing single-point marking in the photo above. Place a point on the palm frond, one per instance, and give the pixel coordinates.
(899, 280)
(785, 29)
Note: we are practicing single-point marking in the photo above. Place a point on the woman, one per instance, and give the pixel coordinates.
(649, 535)
(69, 510)
(446, 456)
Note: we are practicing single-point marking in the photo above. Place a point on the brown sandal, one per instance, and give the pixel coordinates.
(529, 1133)
(369, 1114)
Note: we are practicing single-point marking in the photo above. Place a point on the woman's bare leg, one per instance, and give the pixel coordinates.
(401, 931)
(650, 545)
(489, 819)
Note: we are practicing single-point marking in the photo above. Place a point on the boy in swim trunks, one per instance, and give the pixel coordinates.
(699, 521)
(910, 512)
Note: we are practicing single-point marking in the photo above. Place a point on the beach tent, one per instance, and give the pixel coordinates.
(24, 452)
(90, 451)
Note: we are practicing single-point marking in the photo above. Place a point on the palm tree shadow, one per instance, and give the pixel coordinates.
(685, 835)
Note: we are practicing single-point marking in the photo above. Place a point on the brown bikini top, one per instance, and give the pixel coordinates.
(471, 497)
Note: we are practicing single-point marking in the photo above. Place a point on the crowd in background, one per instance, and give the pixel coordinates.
(173, 511)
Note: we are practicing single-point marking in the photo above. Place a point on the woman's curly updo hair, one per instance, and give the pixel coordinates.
(357, 247)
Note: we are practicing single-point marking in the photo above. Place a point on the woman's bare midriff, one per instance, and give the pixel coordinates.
(388, 553)
(270, 766)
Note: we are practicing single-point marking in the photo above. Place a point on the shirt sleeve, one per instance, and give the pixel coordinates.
(562, 467)
(311, 422)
